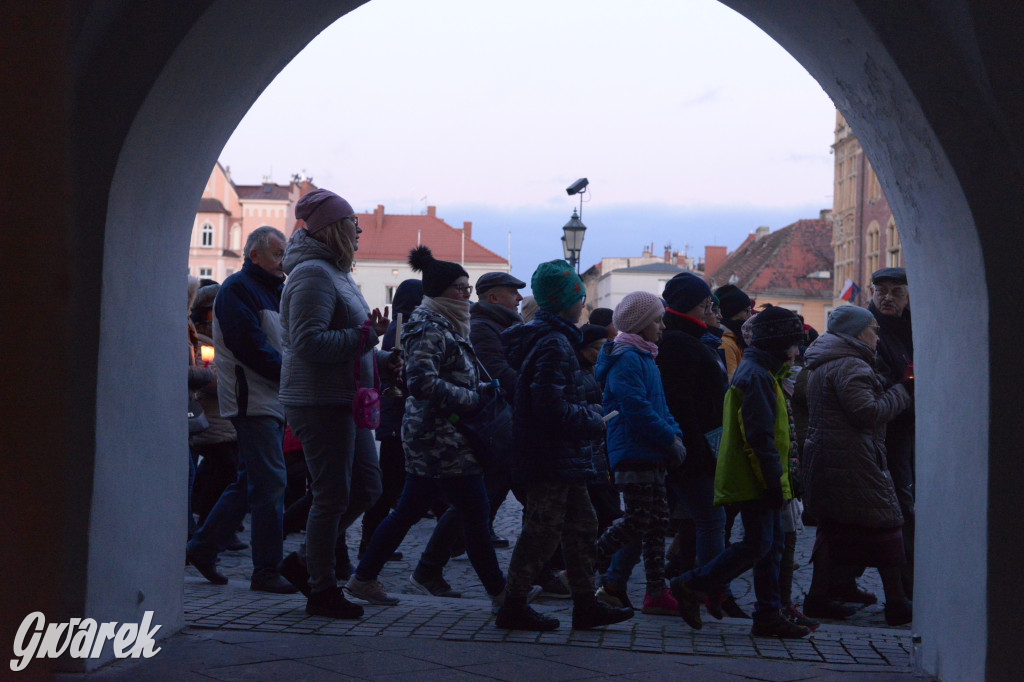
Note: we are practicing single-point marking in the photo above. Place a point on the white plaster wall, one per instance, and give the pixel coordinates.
(373, 276)
(614, 286)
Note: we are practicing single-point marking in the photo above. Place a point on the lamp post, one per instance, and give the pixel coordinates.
(572, 240)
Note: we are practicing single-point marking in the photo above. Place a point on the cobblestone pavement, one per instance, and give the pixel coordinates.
(863, 643)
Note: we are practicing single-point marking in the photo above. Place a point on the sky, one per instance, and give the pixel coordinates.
(692, 125)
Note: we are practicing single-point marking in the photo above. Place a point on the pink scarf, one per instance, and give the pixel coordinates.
(637, 342)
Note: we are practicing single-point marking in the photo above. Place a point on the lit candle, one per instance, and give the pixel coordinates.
(206, 352)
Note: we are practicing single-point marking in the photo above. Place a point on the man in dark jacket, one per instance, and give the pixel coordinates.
(247, 338)
(890, 304)
(555, 428)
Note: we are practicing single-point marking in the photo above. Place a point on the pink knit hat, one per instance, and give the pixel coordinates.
(636, 311)
(320, 208)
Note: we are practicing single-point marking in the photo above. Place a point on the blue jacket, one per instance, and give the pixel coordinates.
(640, 437)
(247, 342)
(555, 426)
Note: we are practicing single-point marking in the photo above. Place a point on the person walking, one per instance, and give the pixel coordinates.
(752, 471)
(329, 334)
(849, 488)
(554, 428)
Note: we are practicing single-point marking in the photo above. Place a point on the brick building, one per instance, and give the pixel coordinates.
(791, 267)
(864, 234)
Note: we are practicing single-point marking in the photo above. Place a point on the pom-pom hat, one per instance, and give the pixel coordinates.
(438, 275)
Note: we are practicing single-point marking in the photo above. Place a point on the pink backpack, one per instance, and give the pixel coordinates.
(366, 403)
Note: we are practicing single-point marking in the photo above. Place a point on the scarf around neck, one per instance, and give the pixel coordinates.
(456, 312)
(638, 342)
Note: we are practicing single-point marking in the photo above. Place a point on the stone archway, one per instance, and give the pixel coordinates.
(933, 91)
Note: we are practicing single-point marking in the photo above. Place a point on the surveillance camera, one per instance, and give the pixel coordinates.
(577, 187)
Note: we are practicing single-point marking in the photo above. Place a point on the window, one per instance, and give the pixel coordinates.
(236, 238)
(229, 272)
(206, 238)
(871, 252)
(206, 272)
(893, 246)
(389, 294)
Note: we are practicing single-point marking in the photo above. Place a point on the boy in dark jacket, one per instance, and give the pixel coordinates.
(555, 428)
(753, 471)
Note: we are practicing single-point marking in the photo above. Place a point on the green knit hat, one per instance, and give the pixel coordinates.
(556, 286)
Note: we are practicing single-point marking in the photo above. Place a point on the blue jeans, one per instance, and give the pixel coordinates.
(697, 496)
(468, 496)
(761, 548)
(345, 474)
(259, 488)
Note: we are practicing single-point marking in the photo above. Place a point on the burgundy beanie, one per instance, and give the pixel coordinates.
(320, 208)
(636, 311)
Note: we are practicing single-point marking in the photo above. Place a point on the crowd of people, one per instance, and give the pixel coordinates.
(668, 417)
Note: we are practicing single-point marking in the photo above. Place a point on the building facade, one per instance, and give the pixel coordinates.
(864, 233)
(606, 292)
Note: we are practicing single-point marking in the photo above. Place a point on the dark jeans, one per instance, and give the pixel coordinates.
(468, 496)
(217, 469)
(392, 473)
(760, 548)
(449, 529)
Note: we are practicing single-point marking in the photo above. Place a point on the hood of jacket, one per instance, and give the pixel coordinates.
(610, 354)
(832, 346)
(504, 317)
(301, 248)
(519, 339)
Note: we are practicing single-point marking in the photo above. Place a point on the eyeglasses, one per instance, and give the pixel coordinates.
(354, 219)
(463, 289)
(895, 292)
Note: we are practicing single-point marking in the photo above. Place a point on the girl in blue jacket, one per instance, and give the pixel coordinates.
(643, 441)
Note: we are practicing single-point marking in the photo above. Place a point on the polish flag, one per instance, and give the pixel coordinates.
(850, 291)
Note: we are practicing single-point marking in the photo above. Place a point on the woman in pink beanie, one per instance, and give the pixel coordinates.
(643, 441)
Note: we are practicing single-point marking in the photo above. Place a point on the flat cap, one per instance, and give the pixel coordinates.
(489, 280)
(898, 275)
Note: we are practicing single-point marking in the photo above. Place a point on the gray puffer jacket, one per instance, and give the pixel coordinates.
(441, 375)
(847, 476)
(321, 313)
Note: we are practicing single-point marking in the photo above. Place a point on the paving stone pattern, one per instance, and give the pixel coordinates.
(863, 642)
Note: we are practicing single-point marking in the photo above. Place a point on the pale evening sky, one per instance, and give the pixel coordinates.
(693, 126)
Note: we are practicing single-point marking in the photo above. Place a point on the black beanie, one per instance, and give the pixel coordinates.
(775, 330)
(685, 291)
(601, 316)
(438, 275)
(732, 300)
(592, 333)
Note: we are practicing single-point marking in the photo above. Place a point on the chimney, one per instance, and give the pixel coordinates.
(668, 255)
(826, 215)
(762, 231)
(647, 250)
(432, 211)
(378, 217)
(467, 229)
(714, 256)
(680, 259)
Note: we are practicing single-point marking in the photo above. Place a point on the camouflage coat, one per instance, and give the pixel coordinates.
(441, 375)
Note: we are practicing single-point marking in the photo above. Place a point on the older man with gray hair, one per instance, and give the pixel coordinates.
(247, 343)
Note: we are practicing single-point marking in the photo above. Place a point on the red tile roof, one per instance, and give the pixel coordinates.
(209, 205)
(267, 190)
(779, 263)
(397, 235)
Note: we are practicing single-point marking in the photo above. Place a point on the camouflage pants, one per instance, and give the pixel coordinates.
(646, 517)
(556, 511)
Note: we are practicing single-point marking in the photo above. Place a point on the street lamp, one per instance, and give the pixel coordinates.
(572, 240)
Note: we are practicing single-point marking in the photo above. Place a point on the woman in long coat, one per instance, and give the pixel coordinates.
(849, 488)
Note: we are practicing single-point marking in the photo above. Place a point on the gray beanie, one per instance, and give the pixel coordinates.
(849, 319)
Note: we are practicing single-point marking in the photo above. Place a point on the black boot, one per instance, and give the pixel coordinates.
(332, 603)
(515, 614)
(294, 571)
(899, 613)
(589, 613)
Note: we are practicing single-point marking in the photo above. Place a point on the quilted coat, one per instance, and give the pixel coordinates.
(847, 476)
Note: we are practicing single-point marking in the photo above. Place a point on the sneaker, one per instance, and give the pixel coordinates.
(590, 614)
(274, 584)
(794, 616)
(827, 608)
(662, 605)
(855, 595)
(899, 613)
(369, 590)
(776, 625)
(498, 601)
(689, 601)
(434, 586)
(332, 603)
(615, 596)
(524, 617)
(732, 609)
(293, 570)
(556, 586)
(208, 569)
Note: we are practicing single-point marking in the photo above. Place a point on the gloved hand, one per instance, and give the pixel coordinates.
(677, 453)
